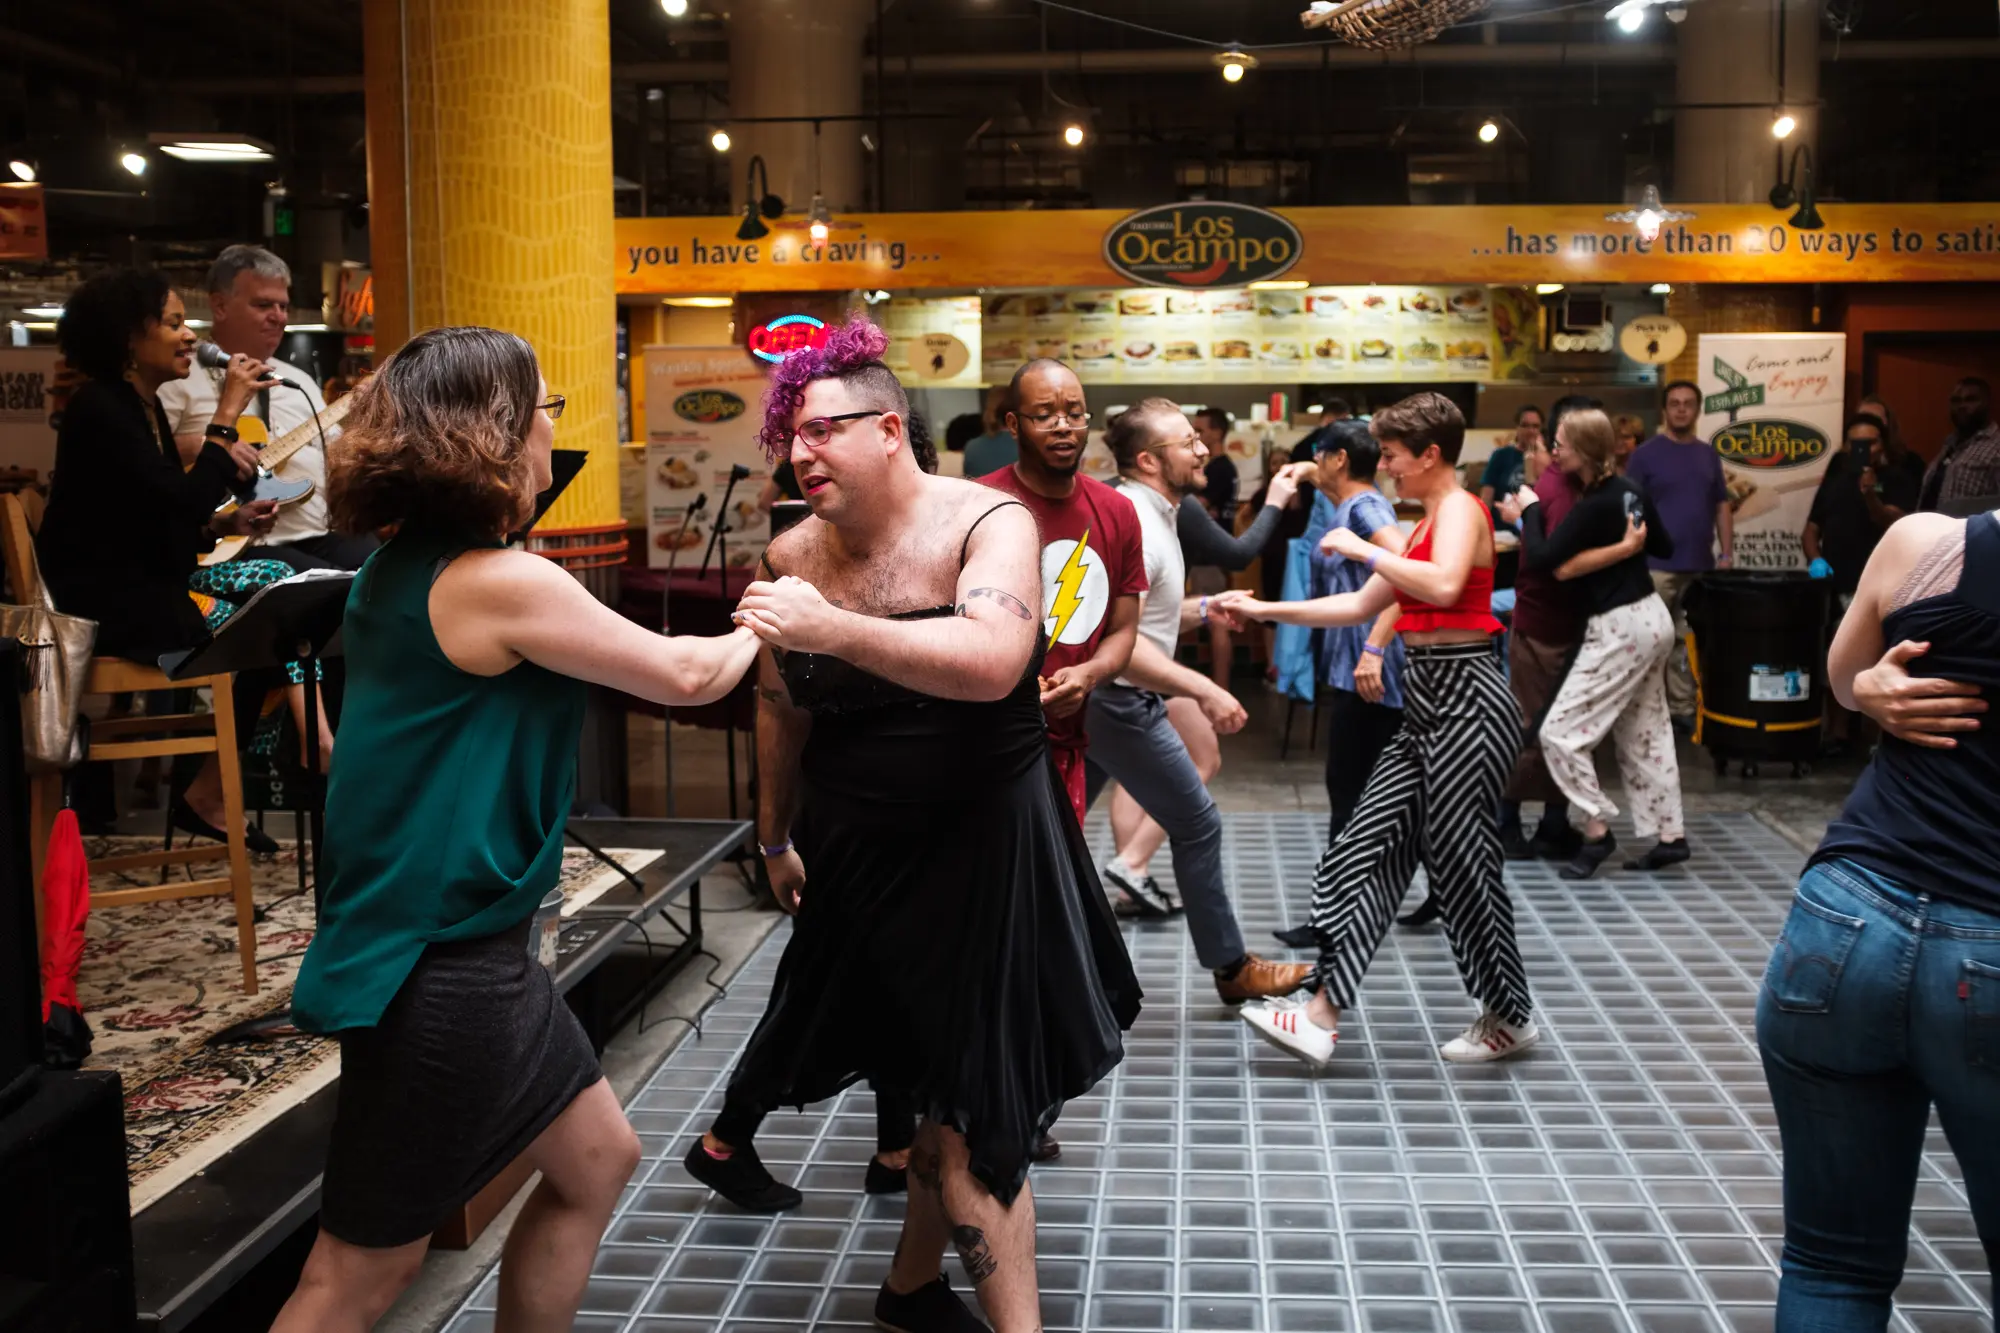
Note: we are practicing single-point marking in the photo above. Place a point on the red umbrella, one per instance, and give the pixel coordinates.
(65, 907)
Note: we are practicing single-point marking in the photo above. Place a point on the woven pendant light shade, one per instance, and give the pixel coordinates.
(1387, 25)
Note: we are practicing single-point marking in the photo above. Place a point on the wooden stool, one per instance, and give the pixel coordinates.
(186, 733)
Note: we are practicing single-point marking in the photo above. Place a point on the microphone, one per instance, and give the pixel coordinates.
(213, 357)
(699, 503)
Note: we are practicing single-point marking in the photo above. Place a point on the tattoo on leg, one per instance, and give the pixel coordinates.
(1000, 595)
(970, 1242)
(771, 696)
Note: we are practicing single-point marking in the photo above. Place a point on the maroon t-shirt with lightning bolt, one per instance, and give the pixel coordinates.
(1091, 554)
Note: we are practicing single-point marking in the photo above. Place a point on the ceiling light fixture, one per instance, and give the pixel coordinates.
(1783, 124)
(42, 311)
(1632, 20)
(819, 218)
(719, 141)
(1650, 214)
(675, 8)
(1234, 62)
(699, 302)
(1073, 135)
(212, 147)
(23, 169)
(1788, 191)
(134, 163)
(1280, 285)
(1547, 288)
(1489, 130)
(1662, 289)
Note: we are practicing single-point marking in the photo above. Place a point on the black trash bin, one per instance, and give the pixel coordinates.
(1759, 658)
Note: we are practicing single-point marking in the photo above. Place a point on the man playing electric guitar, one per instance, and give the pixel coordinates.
(249, 294)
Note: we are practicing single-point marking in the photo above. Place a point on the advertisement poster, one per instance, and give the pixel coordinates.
(1771, 405)
(701, 421)
(1314, 335)
(933, 341)
(27, 383)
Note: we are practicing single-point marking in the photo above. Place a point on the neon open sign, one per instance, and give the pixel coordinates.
(776, 339)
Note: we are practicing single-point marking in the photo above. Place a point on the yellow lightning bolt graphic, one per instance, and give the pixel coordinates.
(1068, 599)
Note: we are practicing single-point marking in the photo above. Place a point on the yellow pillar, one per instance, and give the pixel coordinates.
(489, 183)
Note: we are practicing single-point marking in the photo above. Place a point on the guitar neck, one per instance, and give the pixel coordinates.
(279, 452)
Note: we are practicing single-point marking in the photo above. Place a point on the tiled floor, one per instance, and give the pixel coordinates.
(1623, 1176)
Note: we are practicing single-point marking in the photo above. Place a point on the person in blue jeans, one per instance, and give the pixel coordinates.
(1882, 997)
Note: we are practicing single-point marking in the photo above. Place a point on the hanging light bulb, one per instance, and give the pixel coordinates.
(1233, 63)
(23, 170)
(675, 8)
(1783, 125)
(719, 141)
(1073, 135)
(1489, 131)
(1632, 19)
(819, 218)
(1650, 214)
(134, 163)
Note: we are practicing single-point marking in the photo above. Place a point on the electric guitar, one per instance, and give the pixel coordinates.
(265, 484)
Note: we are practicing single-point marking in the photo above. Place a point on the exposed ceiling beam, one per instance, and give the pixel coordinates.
(957, 64)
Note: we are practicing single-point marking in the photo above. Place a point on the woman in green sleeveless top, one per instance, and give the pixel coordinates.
(466, 672)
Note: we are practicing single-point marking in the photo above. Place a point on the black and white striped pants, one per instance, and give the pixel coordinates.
(1431, 800)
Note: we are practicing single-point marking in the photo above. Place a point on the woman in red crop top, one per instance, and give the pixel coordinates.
(1431, 798)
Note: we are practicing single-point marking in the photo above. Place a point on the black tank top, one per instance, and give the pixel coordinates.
(1930, 819)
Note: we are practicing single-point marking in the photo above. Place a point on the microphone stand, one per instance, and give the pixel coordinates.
(717, 539)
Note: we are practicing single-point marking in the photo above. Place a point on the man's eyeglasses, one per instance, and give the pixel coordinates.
(816, 431)
(554, 407)
(1050, 420)
(1185, 442)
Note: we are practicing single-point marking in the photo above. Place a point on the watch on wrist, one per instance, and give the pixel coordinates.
(217, 431)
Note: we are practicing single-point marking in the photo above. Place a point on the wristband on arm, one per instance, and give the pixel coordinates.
(775, 849)
(1371, 650)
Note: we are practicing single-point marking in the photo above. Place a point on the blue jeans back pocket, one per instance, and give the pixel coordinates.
(1979, 988)
(1806, 965)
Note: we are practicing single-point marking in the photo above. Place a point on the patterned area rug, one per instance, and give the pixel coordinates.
(159, 980)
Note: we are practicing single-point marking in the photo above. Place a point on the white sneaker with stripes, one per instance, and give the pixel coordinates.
(1284, 1023)
(1490, 1038)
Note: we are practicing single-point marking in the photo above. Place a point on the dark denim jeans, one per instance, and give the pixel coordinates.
(1878, 1002)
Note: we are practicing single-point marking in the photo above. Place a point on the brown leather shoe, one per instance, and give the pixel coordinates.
(1259, 979)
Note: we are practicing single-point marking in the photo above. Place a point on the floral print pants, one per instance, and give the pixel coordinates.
(1615, 688)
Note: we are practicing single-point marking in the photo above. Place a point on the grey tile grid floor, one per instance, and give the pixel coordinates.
(1621, 1178)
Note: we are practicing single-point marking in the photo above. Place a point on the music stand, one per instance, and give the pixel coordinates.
(564, 464)
(296, 619)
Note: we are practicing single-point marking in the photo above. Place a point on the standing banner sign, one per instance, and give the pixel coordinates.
(703, 410)
(29, 405)
(1772, 407)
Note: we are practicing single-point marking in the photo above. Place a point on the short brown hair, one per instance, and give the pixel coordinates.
(438, 438)
(1627, 424)
(1587, 433)
(1423, 420)
(1129, 434)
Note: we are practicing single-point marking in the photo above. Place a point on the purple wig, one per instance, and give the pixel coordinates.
(849, 347)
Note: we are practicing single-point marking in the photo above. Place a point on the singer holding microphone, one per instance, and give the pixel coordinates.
(250, 301)
(126, 521)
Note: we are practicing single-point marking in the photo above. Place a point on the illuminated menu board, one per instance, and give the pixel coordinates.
(1313, 335)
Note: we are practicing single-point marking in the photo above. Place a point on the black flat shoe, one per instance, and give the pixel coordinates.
(741, 1179)
(1514, 844)
(1593, 853)
(1423, 913)
(1558, 844)
(187, 821)
(1661, 855)
(1046, 1149)
(1298, 937)
(931, 1308)
(883, 1179)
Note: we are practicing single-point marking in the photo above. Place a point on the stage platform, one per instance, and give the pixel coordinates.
(226, 1141)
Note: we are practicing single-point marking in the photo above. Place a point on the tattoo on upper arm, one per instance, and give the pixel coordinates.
(1000, 595)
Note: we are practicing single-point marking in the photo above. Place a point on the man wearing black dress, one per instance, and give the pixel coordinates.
(952, 944)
